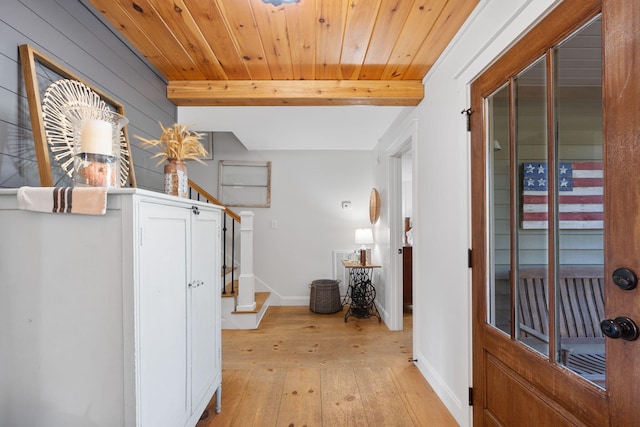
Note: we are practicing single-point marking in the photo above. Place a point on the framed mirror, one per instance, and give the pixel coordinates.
(39, 72)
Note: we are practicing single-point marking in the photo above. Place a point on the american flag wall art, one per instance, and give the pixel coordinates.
(580, 199)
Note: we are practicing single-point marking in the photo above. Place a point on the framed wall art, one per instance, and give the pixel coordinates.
(39, 73)
(244, 183)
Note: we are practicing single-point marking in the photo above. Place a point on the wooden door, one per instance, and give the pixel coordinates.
(529, 116)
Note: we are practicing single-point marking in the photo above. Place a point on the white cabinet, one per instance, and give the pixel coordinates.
(109, 320)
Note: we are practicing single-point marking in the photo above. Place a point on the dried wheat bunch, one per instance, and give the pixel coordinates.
(177, 142)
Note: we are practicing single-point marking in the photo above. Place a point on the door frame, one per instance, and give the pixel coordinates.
(406, 141)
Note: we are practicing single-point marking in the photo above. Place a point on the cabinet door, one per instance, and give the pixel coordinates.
(161, 302)
(205, 306)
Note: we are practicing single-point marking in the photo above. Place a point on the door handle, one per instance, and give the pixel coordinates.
(620, 327)
(195, 284)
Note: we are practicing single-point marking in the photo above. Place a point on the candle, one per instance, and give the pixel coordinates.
(96, 137)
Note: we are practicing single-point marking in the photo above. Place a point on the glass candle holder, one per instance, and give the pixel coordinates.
(96, 146)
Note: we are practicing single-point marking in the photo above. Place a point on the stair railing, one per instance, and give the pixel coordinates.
(198, 193)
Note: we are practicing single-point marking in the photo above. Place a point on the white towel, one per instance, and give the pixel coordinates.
(78, 200)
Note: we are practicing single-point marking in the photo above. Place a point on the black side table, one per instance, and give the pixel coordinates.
(361, 293)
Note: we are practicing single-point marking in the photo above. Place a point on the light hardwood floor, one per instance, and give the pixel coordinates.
(306, 369)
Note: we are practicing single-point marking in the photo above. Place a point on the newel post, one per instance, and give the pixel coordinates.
(246, 281)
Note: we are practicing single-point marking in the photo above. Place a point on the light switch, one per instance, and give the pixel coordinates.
(346, 205)
(274, 223)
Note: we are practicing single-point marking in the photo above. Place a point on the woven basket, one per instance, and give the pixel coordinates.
(325, 296)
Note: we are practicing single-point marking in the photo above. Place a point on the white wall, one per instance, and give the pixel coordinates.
(442, 235)
(307, 189)
(407, 185)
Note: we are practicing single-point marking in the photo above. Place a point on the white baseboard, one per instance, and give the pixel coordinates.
(446, 394)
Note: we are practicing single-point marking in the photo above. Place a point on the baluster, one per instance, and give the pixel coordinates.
(224, 255)
(233, 252)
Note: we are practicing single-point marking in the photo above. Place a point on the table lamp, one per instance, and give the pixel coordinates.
(364, 237)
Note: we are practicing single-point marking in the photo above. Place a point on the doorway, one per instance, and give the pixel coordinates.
(402, 193)
(553, 212)
(407, 228)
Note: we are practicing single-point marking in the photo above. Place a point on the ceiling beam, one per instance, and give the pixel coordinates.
(295, 92)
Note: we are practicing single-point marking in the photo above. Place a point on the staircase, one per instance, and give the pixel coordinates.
(250, 319)
(242, 307)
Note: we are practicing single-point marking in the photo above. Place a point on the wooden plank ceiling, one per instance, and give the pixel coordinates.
(315, 52)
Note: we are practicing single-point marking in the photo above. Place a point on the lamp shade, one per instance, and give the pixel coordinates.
(364, 236)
